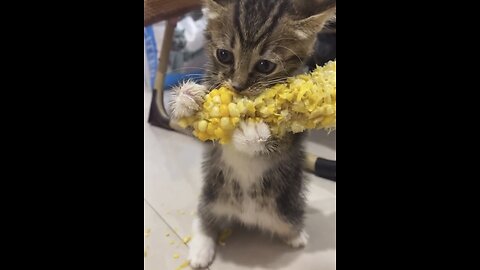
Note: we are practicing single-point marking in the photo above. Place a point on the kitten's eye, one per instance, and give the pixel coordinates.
(265, 66)
(224, 56)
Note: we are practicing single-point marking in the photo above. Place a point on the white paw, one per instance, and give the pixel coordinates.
(298, 241)
(202, 246)
(250, 137)
(202, 250)
(187, 99)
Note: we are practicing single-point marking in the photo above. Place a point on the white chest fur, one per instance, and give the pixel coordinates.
(243, 168)
(247, 170)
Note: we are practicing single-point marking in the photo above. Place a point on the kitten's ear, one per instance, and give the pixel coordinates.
(213, 8)
(311, 15)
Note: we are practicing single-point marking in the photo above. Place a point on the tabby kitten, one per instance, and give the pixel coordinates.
(257, 180)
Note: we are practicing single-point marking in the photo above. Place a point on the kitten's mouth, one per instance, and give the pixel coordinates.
(246, 92)
(249, 92)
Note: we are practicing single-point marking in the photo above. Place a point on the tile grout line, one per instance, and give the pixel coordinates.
(164, 221)
(168, 225)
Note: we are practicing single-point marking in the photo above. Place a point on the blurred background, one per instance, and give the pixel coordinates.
(173, 160)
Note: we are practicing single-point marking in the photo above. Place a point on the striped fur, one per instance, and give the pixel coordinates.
(280, 31)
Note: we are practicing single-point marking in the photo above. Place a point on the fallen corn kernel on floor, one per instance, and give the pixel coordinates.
(172, 184)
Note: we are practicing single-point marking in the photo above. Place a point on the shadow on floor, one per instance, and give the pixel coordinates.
(252, 248)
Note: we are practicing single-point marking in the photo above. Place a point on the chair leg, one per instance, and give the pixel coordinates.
(158, 113)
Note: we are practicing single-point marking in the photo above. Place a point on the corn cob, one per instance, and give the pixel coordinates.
(306, 101)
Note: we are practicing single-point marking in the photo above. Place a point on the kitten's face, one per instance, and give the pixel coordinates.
(253, 44)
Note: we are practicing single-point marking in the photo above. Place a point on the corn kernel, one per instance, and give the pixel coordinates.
(210, 129)
(214, 121)
(219, 132)
(264, 111)
(182, 123)
(297, 127)
(215, 112)
(202, 136)
(217, 100)
(259, 102)
(251, 108)
(328, 120)
(233, 110)
(235, 121)
(202, 125)
(329, 109)
(214, 92)
(223, 236)
(224, 110)
(207, 105)
(226, 97)
(301, 93)
(242, 109)
(225, 123)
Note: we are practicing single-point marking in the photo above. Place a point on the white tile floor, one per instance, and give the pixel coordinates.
(172, 185)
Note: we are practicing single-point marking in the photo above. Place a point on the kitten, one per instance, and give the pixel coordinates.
(257, 180)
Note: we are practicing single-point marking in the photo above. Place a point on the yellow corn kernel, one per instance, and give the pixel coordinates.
(225, 123)
(310, 124)
(271, 109)
(265, 111)
(297, 127)
(223, 236)
(215, 112)
(202, 125)
(183, 265)
(258, 102)
(217, 100)
(214, 121)
(329, 109)
(211, 129)
(250, 108)
(207, 105)
(328, 120)
(235, 120)
(187, 239)
(241, 107)
(301, 93)
(233, 110)
(226, 97)
(202, 136)
(214, 92)
(315, 113)
(224, 110)
(299, 107)
(318, 120)
(183, 123)
(219, 132)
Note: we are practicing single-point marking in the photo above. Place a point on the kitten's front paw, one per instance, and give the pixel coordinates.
(250, 138)
(187, 99)
(202, 250)
(299, 240)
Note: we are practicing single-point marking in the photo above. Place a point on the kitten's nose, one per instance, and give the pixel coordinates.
(239, 86)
